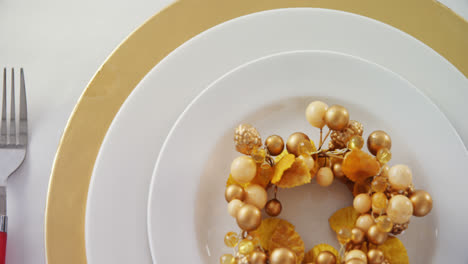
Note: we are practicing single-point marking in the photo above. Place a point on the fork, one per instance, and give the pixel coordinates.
(13, 146)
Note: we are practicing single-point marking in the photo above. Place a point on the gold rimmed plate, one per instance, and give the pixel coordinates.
(147, 46)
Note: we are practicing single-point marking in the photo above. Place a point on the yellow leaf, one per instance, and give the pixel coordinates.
(394, 251)
(280, 156)
(345, 217)
(266, 229)
(297, 175)
(283, 164)
(358, 165)
(313, 253)
(285, 236)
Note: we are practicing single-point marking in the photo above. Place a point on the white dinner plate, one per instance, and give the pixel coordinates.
(119, 186)
(187, 214)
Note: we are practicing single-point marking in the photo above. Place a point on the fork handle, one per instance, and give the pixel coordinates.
(3, 238)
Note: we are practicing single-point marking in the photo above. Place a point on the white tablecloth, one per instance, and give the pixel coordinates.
(61, 44)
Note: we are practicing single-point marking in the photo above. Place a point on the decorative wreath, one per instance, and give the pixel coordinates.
(384, 197)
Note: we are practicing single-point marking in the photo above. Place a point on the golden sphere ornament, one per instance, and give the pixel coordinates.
(274, 144)
(325, 176)
(384, 155)
(293, 142)
(308, 161)
(357, 235)
(249, 217)
(246, 247)
(234, 191)
(305, 147)
(400, 177)
(282, 256)
(337, 117)
(273, 207)
(338, 170)
(325, 257)
(231, 239)
(400, 209)
(364, 222)
(258, 155)
(376, 236)
(384, 223)
(379, 184)
(227, 259)
(258, 257)
(356, 142)
(234, 206)
(375, 256)
(422, 202)
(362, 203)
(256, 195)
(243, 169)
(356, 254)
(377, 140)
(343, 235)
(379, 203)
(315, 113)
(355, 261)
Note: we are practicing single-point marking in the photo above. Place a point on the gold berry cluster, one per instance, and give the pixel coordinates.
(384, 196)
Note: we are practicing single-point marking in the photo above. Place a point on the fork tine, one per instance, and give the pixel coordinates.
(12, 134)
(23, 112)
(3, 129)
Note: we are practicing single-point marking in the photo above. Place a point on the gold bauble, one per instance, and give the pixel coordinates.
(375, 256)
(249, 217)
(234, 191)
(293, 142)
(273, 207)
(246, 138)
(357, 235)
(422, 202)
(377, 140)
(355, 261)
(376, 236)
(337, 170)
(274, 144)
(355, 254)
(258, 257)
(282, 256)
(337, 117)
(325, 257)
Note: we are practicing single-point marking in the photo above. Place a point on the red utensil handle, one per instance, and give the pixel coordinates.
(3, 243)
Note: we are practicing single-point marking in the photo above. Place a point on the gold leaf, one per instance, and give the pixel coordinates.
(266, 229)
(286, 237)
(297, 175)
(283, 164)
(358, 165)
(394, 251)
(345, 217)
(312, 254)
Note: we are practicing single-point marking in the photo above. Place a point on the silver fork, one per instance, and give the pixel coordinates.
(13, 145)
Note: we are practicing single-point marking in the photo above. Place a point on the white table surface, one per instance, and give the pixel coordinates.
(61, 44)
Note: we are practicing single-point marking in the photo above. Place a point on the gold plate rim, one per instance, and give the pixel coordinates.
(168, 29)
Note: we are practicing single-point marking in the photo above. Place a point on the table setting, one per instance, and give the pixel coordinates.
(234, 132)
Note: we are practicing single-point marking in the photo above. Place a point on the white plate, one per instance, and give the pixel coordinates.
(187, 211)
(118, 191)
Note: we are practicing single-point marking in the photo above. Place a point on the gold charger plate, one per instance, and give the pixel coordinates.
(426, 20)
